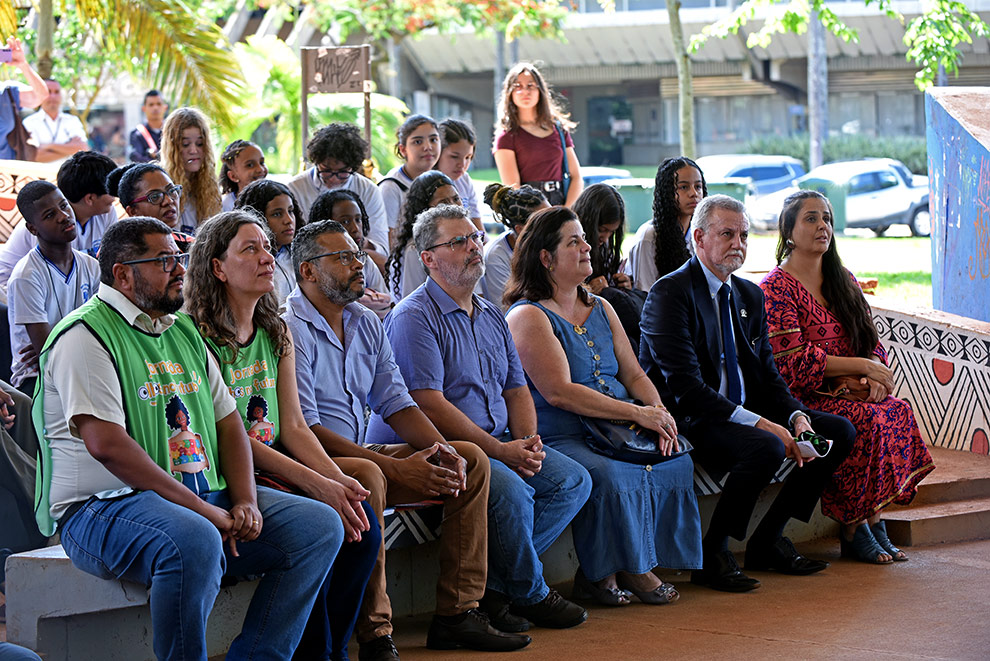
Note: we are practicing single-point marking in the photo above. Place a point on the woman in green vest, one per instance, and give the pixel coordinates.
(229, 295)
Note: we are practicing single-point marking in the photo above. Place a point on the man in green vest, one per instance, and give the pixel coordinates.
(146, 469)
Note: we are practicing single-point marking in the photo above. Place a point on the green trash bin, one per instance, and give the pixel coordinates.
(835, 192)
(734, 187)
(637, 194)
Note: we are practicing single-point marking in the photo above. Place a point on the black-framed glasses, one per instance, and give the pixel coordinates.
(156, 196)
(328, 175)
(345, 257)
(459, 242)
(168, 262)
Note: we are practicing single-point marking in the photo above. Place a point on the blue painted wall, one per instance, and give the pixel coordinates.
(959, 178)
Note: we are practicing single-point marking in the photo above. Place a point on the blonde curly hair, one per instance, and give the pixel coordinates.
(200, 188)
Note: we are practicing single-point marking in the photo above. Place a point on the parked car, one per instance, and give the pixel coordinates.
(879, 192)
(766, 173)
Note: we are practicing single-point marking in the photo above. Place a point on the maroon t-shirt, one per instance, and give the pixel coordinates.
(538, 159)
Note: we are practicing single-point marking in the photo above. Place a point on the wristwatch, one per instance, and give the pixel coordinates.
(794, 416)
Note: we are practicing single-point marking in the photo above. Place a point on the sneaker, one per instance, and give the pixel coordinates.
(472, 630)
(496, 606)
(554, 612)
(379, 649)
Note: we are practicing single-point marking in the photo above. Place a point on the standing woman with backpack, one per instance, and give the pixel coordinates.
(532, 138)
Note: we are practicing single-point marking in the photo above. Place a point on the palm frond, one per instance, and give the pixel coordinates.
(172, 48)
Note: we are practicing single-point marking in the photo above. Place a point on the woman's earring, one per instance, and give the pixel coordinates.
(550, 268)
(790, 243)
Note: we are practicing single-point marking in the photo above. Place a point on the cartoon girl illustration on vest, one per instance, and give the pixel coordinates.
(185, 448)
(259, 429)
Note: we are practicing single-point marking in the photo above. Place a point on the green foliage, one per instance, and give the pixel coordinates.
(269, 110)
(395, 19)
(172, 45)
(932, 39)
(910, 150)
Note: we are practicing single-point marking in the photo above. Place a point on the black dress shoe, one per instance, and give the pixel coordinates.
(781, 556)
(379, 649)
(496, 606)
(722, 573)
(471, 630)
(553, 612)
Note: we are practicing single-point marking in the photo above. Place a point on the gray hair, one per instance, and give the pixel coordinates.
(703, 212)
(426, 229)
(304, 245)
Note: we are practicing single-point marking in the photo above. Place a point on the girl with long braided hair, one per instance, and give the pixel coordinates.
(512, 207)
(663, 245)
(403, 270)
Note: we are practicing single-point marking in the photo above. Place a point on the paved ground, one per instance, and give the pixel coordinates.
(934, 607)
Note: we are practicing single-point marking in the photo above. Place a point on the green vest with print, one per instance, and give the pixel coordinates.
(253, 379)
(167, 401)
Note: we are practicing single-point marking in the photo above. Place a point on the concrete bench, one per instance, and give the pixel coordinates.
(58, 610)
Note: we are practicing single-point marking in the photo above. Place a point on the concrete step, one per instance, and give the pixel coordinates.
(937, 523)
(957, 476)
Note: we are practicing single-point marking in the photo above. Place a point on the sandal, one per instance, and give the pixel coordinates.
(583, 588)
(665, 593)
(879, 530)
(863, 547)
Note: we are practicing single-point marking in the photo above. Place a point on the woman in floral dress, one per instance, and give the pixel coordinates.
(827, 348)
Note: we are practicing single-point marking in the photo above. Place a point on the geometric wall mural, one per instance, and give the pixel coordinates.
(941, 365)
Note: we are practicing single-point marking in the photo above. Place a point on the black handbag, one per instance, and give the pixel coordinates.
(624, 440)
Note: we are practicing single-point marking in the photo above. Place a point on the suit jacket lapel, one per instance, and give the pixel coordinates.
(741, 319)
(706, 309)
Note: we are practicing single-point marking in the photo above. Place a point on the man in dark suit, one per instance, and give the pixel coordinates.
(731, 402)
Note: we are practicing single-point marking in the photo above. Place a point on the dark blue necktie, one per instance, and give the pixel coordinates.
(734, 388)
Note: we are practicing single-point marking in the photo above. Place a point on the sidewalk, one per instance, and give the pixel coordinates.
(933, 607)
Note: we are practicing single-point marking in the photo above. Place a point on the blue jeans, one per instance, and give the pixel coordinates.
(525, 516)
(337, 604)
(180, 556)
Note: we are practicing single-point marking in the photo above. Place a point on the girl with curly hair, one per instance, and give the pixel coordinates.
(276, 204)
(663, 245)
(337, 152)
(243, 163)
(187, 156)
(403, 270)
(229, 296)
(345, 207)
(418, 145)
(512, 207)
(532, 138)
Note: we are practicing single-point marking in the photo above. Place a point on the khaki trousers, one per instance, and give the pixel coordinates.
(463, 539)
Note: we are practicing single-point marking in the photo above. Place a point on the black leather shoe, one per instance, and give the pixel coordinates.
(496, 606)
(722, 573)
(471, 630)
(781, 556)
(553, 612)
(379, 649)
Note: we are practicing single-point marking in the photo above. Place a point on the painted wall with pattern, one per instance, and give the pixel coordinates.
(941, 365)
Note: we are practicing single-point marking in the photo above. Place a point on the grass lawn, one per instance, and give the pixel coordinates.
(901, 263)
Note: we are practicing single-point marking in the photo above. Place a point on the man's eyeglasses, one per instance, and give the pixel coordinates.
(345, 257)
(156, 196)
(329, 175)
(459, 242)
(168, 262)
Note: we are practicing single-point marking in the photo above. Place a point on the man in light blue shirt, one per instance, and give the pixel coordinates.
(457, 357)
(343, 363)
